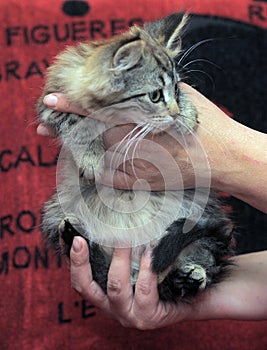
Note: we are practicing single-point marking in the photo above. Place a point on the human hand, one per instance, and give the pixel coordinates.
(241, 296)
(141, 309)
(222, 153)
(165, 160)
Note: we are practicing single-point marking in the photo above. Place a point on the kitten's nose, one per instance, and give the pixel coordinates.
(174, 109)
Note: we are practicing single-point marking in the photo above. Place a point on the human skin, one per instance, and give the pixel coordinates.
(242, 296)
(237, 158)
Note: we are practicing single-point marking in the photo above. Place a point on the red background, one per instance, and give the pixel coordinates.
(38, 308)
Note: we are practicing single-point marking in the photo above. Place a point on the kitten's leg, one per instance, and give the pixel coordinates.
(61, 122)
(188, 262)
(67, 232)
(194, 270)
(82, 136)
(91, 163)
(99, 264)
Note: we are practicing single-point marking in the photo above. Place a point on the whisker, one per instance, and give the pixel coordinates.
(192, 48)
(190, 131)
(146, 130)
(120, 146)
(205, 73)
(129, 144)
(201, 60)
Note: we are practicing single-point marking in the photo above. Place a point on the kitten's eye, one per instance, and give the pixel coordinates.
(156, 96)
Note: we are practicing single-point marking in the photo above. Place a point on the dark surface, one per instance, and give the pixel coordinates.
(236, 79)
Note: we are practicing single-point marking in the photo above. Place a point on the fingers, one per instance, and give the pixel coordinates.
(118, 301)
(45, 130)
(81, 274)
(116, 179)
(119, 289)
(149, 311)
(146, 286)
(143, 309)
(146, 298)
(59, 102)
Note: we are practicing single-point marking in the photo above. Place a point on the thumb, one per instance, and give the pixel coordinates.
(81, 274)
(79, 253)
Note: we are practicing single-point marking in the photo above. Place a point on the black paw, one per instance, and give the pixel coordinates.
(183, 283)
(67, 232)
(190, 279)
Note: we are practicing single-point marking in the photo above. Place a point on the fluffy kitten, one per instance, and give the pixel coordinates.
(131, 74)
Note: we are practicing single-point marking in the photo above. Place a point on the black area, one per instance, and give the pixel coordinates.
(76, 8)
(98, 262)
(68, 235)
(99, 265)
(251, 225)
(238, 84)
(239, 80)
(210, 230)
(210, 243)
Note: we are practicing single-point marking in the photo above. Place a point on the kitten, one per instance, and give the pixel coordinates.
(131, 74)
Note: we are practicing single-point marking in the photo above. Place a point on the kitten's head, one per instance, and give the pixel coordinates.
(137, 67)
(144, 69)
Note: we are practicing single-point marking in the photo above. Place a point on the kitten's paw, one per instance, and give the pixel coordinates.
(55, 119)
(191, 278)
(196, 274)
(67, 232)
(45, 114)
(67, 224)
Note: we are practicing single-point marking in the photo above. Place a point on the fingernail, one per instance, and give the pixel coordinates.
(50, 100)
(76, 245)
(42, 130)
(148, 252)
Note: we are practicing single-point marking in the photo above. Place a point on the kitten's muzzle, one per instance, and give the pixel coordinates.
(173, 109)
(160, 123)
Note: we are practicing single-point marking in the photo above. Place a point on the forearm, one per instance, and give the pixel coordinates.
(243, 295)
(237, 154)
(243, 170)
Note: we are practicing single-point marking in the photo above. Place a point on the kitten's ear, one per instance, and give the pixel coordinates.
(128, 55)
(168, 31)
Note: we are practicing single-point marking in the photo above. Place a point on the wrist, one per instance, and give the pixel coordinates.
(237, 156)
(241, 296)
(240, 171)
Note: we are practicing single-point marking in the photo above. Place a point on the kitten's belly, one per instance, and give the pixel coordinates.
(123, 218)
(115, 218)
(127, 219)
